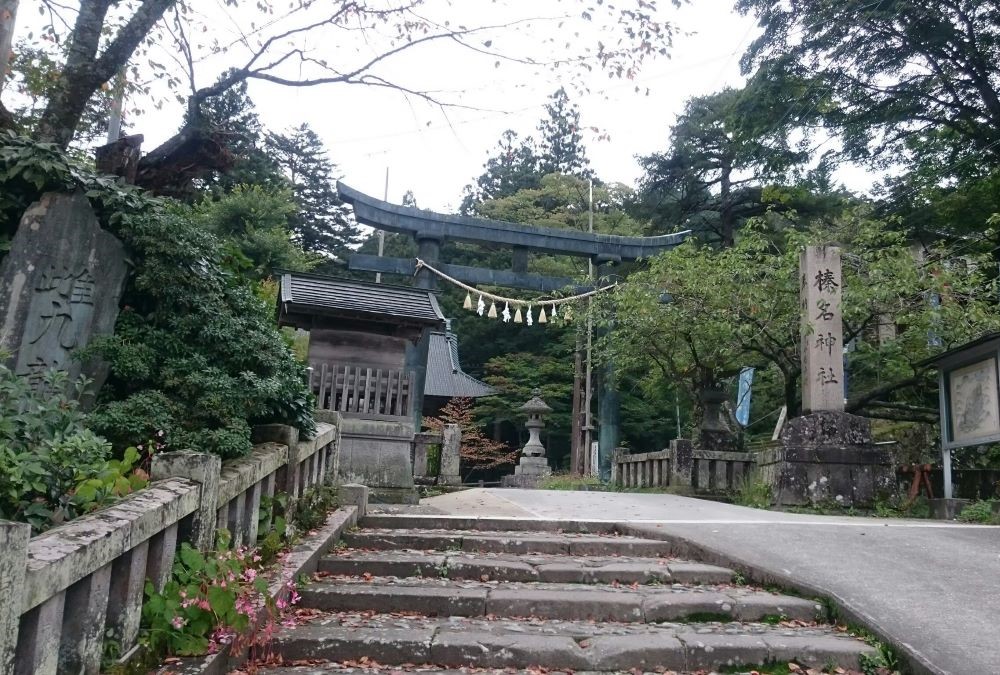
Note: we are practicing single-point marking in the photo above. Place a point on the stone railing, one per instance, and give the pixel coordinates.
(69, 593)
(682, 465)
(646, 469)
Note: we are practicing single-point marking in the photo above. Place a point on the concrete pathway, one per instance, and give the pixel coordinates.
(931, 588)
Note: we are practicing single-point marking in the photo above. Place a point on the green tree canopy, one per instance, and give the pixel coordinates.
(740, 307)
(322, 224)
(724, 149)
(903, 80)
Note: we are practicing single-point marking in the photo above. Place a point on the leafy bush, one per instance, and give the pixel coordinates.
(210, 603)
(195, 352)
(980, 512)
(52, 469)
(569, 481)
(313, 506)
(753, 492)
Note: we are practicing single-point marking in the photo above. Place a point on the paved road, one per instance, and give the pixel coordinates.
(932, 588)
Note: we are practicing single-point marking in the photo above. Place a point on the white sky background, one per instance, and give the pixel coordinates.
(436, 153)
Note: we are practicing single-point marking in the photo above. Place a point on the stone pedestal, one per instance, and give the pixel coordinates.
(946, 509)
(376, 453)
(827, 458)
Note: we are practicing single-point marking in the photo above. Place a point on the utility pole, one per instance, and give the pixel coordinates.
(8, 15)
(588, 425)
(381, 233)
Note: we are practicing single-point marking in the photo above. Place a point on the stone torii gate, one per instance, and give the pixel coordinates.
(430, 230)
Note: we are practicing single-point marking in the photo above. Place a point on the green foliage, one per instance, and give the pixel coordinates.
(253, 224)
(740, 307)
(982, 511)
(321, 223)
(313, 506)
(272, 527)
(210, 601)
(920, 92)
(753, 492)
(52, 469)
(700, 182)
(569, 481)
(561, 147)
(195, 352)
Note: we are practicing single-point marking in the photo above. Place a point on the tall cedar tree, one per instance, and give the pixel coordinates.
(323, 223)
(514, 166)
(724, 149)
(561, 147)
(476, 450)
(232, 118)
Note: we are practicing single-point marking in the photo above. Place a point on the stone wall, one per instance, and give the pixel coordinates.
(65, 592)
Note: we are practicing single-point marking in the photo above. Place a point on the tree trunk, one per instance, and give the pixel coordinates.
(726, 224)
(8, 15)
(85, 71)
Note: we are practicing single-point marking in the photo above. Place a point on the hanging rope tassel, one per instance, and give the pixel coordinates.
(555, 315)
(480, 306)
(493, 310)
(541, 316)
(468, 301)
(517, 316)
(568, 314)
(529, 319)
(506, 312)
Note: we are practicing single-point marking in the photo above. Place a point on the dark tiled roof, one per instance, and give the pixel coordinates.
(317, 294)
(444, 374)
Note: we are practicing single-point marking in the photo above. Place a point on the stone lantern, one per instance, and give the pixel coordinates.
(532, 464)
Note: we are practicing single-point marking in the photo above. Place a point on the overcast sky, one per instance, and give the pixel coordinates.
(436, 153)
(436, 156)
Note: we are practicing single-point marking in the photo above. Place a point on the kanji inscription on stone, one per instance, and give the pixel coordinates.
(60, 286)
(822, 329)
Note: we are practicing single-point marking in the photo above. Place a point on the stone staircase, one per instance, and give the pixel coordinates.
(463, 593)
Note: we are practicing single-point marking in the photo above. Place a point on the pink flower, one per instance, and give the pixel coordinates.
(295, 597)
(203, 604)
(249, 574)
(280, 603)
(178, 622)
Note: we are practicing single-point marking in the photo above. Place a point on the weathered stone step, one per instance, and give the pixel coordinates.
(578, 646)
(499, 524)
(530, 567)
(558, 543)
(649, 604)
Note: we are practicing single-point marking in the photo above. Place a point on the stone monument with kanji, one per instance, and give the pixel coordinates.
(826, 456)
(60, 286)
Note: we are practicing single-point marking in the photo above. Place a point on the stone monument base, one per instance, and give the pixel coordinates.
(827, 458)
(376, 453)
(946, 509)
(529, 470)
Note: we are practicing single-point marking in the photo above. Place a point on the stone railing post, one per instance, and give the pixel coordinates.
(288, 477)
(203, 469)
(354, 494)
(616, 472)
(13, 564)
(681, 462)
(451, 446)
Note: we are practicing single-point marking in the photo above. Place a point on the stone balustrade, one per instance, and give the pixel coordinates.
(682, 465)
(68, 594)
